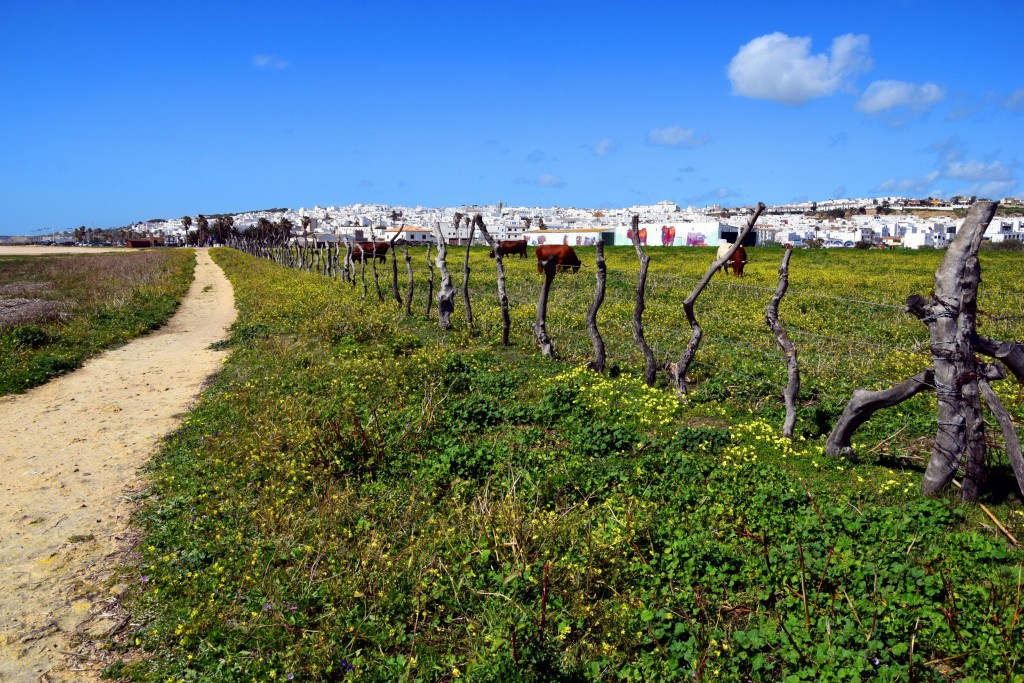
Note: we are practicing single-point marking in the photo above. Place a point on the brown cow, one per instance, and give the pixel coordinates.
(739, 259)
(364, 250)
(511, 247)
(565, 257)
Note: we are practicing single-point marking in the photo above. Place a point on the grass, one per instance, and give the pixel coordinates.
(83, 304)
(360, 495)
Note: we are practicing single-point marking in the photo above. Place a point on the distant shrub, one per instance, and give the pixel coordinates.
(1005, 245)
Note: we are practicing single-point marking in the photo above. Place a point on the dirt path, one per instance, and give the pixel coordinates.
(69, 457)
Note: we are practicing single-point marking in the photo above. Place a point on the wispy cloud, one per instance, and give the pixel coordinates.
(536, 156)
(781, 68)
(885, 95)
(269, 62)
(715, 196)
(674, 136)
(990, 178)
(1014, 102)
(604, 147)
(840, 138)
(549, 180)
(915, 187)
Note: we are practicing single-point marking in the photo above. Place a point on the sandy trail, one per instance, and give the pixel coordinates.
(70, 452)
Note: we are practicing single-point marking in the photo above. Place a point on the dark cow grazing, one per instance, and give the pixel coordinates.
(364, 250)
(738, 260)
(509, 247)
(565, 257)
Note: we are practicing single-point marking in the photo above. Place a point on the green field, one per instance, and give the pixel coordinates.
(74, 306)
(361, 495)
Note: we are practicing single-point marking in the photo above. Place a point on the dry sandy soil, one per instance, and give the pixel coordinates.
(70, 453)
(40, 251)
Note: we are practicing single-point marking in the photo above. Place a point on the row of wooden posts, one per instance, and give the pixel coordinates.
(957, 377)
(332, 262)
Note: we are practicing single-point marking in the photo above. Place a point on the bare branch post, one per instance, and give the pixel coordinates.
(350, 267)
(638, 311)
(408, 271)
(376, 277)
(677, 371)
(394, 265)
(362, 270)
(1010, 353)
(539, 326)
(499, 263)
(465, 273)
(597, 365)
(430, 280)
(787, 346)
(1012, 441)
(446, 294)
(863, 404)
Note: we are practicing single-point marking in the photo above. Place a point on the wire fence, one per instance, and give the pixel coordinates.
(843, 342)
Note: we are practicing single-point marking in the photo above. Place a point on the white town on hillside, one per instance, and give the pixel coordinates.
(886, 221)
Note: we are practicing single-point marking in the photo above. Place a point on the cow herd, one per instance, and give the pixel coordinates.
(565, 257)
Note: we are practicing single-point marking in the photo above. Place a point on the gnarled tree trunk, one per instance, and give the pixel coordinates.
(950, 317)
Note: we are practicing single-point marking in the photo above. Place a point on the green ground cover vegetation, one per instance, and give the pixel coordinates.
(360, 495)
(82, 304)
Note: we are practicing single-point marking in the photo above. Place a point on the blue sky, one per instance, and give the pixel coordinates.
(114, 112)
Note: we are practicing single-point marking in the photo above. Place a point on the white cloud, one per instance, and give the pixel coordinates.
(715, 196)
(992, 179)
(549, 180)
(781, 68)
(1014, 102)
(914, 187)
(883, 95)
(604, 147)
(674, 136)
(978, 170)
(269, 62)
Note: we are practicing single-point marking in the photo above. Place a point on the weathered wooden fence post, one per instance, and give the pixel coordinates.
(430, 280)
(446, 294)
(638, 311)
(394, 266)
(597, 365)
(373, 263)
(677, 371)
(362, 270)
(499, 264)
(465, 272)
(957, 376)
(408, 270)
(787, 346)
(540, 324)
